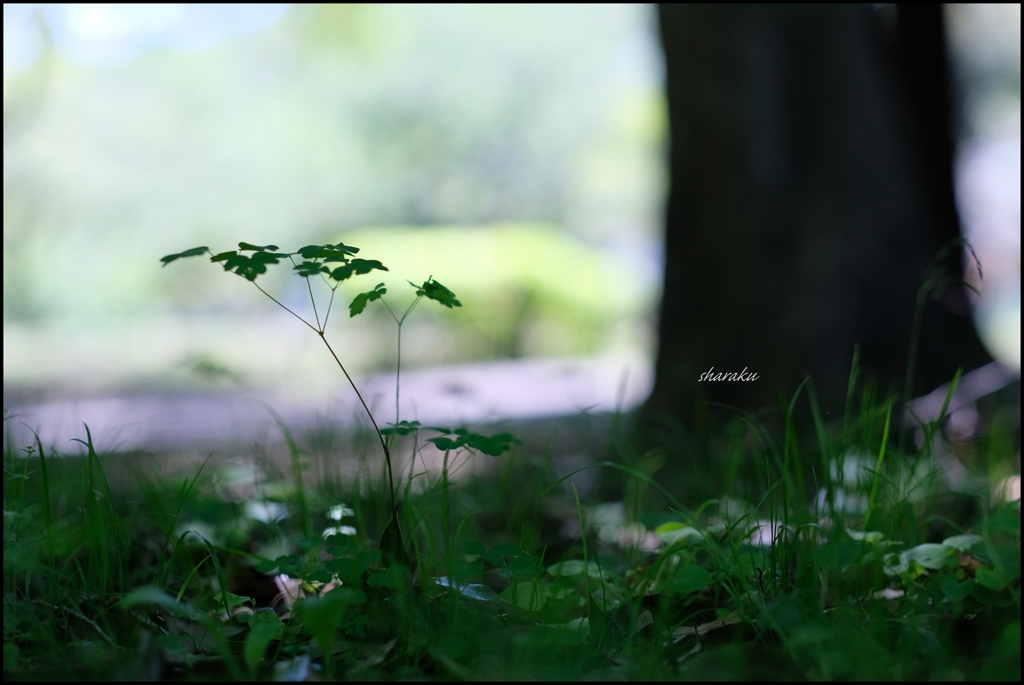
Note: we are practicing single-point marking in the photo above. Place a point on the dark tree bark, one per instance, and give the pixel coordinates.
(811, 187)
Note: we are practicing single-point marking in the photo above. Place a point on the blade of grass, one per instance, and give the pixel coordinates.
(188, 578)
(878, 469)
(622, 467)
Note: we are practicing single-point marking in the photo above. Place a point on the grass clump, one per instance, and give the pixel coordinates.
(515, 578)
(838, 556)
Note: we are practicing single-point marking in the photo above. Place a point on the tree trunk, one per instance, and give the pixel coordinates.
(811, 188)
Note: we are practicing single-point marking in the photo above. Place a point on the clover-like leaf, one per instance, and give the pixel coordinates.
(524, 565)
(362, 299)
(311, 251)
(221, 256)
(433, 290)
(257, 248)
(494, 445)
(402, 428)
(341, 247)
(245, 267)
(446, 444)
(328, 252)
(357, 267)
(194, 252)
(234, 260)
(265, 258)
(335, 255)
(506, 549)
(307, 269)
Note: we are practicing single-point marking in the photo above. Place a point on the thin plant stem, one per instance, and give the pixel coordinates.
(286, 309)
(320, 332)
(445, 514)
(380, 436)
(878, 468)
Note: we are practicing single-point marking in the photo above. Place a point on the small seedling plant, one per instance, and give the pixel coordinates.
(334, 264)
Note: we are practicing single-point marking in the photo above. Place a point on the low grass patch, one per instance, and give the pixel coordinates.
(831, 554)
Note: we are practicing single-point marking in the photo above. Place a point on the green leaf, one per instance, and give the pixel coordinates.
(340, 544)
(338, 254)
(263, 629)
(962, 543)
(310, 543)
(529, 595)
(671, 532)
(525, 565)
(265, 566)
(234, 600)
(311, 251)
(362, 299)
(391, 544)
(320, 575)
(954, 591)
(575, 567)
(397, 577)
(307, 269)
(689, 579)
(508, 549)
(467, 569)
(473, 548)
(356, 267)
(837, 556)
(322, 614)
(445, 444)
(194, 252)
(221, 256)
(344, 248)
(154, 595)
(265, 258)
(433, 290)
(402, 428)
(494, 445)
(349, 571)
(870, 536)
(990, 578)
(931, 555)
(258, 248)
(244, 266)
(289, 564)
(369, 557)
(455, 646)
(481, 593)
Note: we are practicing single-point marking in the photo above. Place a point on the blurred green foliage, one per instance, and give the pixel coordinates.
(335, 118)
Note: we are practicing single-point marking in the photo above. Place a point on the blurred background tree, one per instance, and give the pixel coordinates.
(811, 187)
(493, 147)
